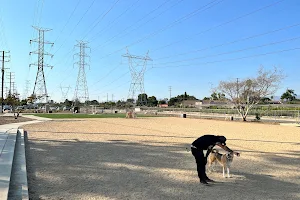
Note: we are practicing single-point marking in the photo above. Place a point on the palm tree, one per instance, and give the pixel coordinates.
(289, 95)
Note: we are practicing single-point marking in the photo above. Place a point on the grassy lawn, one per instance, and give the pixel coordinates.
(79, 115)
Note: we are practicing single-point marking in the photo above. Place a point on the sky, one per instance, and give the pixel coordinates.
(191, 45)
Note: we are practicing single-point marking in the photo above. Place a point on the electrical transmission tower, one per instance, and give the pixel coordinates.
(137, 66)
(64, 93)
(40, 89)
(81, 90)
(11, 77)
(26, 90)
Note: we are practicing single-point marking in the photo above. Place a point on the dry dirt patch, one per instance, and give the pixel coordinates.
(145, 158)
(12, 119)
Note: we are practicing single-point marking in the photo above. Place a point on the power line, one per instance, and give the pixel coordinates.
(2, 32)
(75, 26)
(232, 59)
(40, 14)
(231, 42)
(125, 30)
(101, 79)
(230, 52)
(117, 80)
(185, 17)
(67, 22)
(67, 55)
(111, 23)
(222, 24)
(203, 63)
(101, 18)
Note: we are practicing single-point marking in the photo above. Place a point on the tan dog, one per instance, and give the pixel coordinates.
(224, 160)
(130, 114)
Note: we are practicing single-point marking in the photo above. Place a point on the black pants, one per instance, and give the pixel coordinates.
(201, 162)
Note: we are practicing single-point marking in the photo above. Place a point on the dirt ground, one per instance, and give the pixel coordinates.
(11, 119)
(146, 158)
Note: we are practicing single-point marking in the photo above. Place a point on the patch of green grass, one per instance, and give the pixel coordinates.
(79, 115)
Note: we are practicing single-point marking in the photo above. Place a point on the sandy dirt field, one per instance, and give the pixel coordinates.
(146, 158)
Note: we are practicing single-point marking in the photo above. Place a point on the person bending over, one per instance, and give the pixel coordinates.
(202, 147)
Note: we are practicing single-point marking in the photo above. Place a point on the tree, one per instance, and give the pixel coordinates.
(68, 103)
(246, 93)
(152, 101)
(162, 102)
(130, 100)
(289, 95)
(23, 102)
(265, 100)
(31, 98)
(142, 99)
(94, 102)
(185, 96)
(177, 100)
(218, 96)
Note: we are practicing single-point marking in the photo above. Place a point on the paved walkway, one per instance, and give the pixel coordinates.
(13, 177)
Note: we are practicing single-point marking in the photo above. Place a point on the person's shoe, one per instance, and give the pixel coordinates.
(209, 180)
(204, 182)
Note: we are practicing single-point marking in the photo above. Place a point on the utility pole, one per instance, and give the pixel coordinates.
(170, 90)
(107, 97)
(137, 66)
(2, 85)
(40, 89)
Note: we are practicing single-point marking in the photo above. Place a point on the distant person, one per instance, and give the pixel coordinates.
(202, 147)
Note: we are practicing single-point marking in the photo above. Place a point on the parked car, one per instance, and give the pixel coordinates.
(67, 108)
(7, 108)
(20, 108)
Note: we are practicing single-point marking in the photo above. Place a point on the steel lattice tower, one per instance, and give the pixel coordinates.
(137, 66)
(81, 90)
(40, 89)
(26, 90)
(64, 93)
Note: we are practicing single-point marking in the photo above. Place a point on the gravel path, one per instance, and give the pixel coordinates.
(145, 158)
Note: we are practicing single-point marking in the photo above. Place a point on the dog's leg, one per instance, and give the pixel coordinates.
(213, 166)
(228, 175)
(209, 166)
(224, 171)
